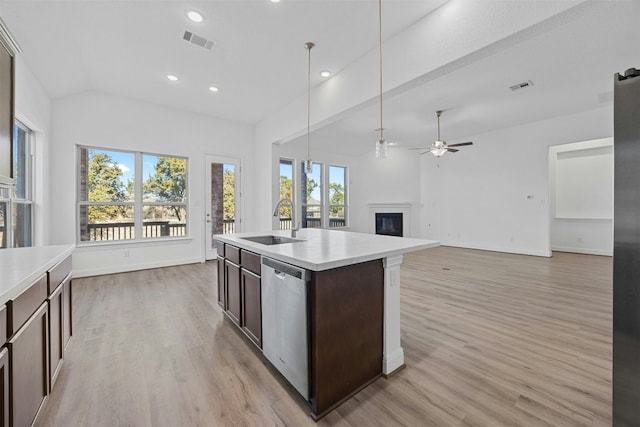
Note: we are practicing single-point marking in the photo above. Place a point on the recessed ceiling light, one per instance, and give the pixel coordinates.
(172, 77)
(325, 73)
(213, 89)
(275, 1)
(195, 16)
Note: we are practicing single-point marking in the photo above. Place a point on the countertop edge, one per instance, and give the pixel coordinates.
(417, 245)
(39, 268)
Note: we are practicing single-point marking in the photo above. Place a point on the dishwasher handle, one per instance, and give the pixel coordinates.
(282, 269)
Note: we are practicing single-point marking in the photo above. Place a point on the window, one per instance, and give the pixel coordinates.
(337, 196)
(127, 195)
(16, 206)
(323, 195)
(311, 197)
(286, 192)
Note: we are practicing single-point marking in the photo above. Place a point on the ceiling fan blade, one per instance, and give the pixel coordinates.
(425, 152)
(460, 145)
(418, 148)
(452, 150)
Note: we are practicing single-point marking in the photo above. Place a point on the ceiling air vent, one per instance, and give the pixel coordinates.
(522, 85)
(197, 40)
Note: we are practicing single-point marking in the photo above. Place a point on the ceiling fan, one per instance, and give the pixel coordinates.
(439, 147)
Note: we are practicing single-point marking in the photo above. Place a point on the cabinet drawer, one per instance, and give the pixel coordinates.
(24, 305)
(220, 248)
(251, 262)
(58, 273)
(232, 254)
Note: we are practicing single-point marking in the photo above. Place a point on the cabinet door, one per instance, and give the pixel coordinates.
(67, 311)
(56, 321)
(222, 291)
(28, 362)
(251, 306)
(4, 386)
(232, 278)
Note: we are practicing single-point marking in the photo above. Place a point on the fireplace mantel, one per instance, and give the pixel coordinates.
(402, 207)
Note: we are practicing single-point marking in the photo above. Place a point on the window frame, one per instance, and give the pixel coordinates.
(303, 198)
(137, 204)
(345, 206)
(294, 188)
(10, 199)
(324, 205)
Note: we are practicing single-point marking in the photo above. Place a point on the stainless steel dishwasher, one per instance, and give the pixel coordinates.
(284, 321)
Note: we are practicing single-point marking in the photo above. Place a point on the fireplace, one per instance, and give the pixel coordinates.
(389, 223)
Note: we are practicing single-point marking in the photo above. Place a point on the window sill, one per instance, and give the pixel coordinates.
(101, 244)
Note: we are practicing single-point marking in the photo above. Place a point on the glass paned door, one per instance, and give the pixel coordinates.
(223, 199)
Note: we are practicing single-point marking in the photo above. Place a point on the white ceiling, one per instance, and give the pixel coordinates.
(259, 61)
(126, 48)
(571, 62)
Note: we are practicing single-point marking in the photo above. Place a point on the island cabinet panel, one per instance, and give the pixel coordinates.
(56, 333)
(346, 327)
(28, 362)
(222, 288)
(251, 306)
(232, 279)
(4, 388)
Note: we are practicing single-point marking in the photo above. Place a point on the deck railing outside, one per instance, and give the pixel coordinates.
(125, 230)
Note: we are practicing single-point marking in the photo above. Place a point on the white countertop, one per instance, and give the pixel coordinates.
(322, 249)
(20, 267)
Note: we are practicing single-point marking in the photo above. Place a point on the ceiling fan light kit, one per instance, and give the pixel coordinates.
(439, 147)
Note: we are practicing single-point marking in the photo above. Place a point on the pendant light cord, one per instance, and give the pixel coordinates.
(380, 57)
(309, 45)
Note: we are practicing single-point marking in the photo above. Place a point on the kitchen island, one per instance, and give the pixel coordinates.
(352, 310)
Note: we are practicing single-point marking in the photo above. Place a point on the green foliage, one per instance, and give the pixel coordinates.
(286, 192)
(337, 198)
(168, 183)
(105, 185)
(229, 194)
(311, 185)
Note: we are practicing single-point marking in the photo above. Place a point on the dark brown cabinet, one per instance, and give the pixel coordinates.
(239, 289)
(67, 311)
(4, 387)
(222, 288)
(234, 298)
(56, 322)
(251, 306)
(29, 372)
(36, 326)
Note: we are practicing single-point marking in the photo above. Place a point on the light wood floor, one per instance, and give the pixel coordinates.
(490, 339)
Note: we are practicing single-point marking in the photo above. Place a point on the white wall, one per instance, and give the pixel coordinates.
(478, 197)
(581, 197)
(101, 120)
(33, 108)
(395, 179)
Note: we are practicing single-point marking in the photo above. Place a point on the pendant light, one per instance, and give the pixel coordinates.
(308, 164)
(381, 143)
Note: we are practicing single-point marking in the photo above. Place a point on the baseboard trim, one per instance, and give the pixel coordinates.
(112, 269)
(586, 251)
(546, 254)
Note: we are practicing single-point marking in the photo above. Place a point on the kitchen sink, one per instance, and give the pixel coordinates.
(271, 240)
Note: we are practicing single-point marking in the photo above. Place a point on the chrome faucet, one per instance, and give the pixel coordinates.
(276, 212)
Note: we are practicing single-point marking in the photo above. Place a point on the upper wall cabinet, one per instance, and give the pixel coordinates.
(8, 51)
